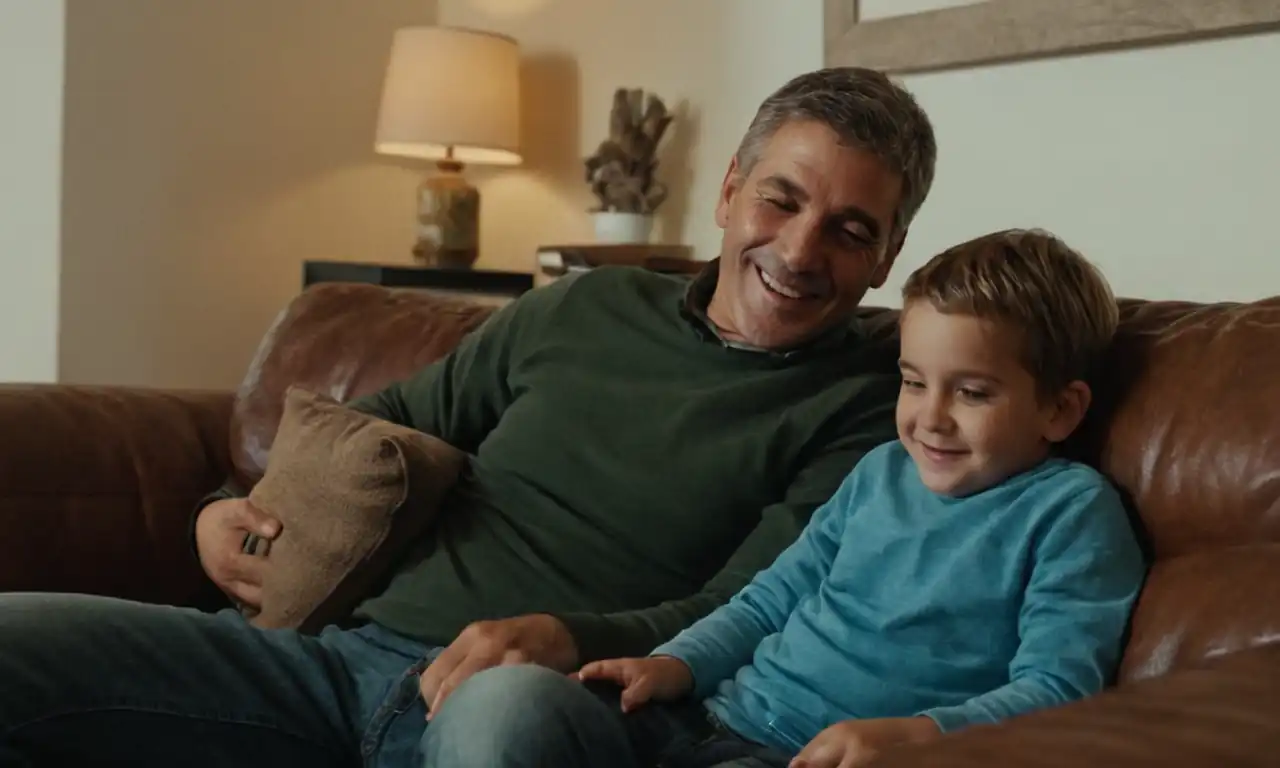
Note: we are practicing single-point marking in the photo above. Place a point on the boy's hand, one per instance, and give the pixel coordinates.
(656, 678)
(851, 743)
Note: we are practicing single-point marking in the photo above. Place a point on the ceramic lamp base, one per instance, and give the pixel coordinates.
(448, 219)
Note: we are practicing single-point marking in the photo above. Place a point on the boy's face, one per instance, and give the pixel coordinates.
(969, 412)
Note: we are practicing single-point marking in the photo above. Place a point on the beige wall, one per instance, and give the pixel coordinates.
(1159, 162)
(211, 147)
(31, 38)
(712, 60)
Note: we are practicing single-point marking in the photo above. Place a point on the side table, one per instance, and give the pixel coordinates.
(489, 286)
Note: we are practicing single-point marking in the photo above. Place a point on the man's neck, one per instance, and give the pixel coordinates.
(705, 300)
(718, 315)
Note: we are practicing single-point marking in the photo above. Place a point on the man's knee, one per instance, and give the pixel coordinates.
(525, 715)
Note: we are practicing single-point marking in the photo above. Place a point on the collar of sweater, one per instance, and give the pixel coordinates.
(697, 298)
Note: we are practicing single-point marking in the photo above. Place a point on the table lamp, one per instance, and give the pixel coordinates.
(453, 96)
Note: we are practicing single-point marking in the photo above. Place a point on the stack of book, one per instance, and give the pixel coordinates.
(560, 260)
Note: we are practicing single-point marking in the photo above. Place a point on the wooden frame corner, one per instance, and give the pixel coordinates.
(996, 31)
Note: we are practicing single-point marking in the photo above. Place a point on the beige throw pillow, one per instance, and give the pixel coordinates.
(352, 493)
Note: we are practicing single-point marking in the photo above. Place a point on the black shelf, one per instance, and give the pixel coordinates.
(471, 281)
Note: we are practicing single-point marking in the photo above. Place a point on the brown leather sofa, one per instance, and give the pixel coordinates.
(96, 485)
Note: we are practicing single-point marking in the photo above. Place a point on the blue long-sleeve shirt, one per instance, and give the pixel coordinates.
(897, 602)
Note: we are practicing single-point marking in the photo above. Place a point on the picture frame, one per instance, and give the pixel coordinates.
(998, 31)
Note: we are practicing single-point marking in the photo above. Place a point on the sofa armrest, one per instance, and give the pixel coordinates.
(97, 485)
(1224, 713)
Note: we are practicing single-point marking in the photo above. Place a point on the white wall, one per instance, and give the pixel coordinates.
(211, 147)
(1160, 164)
(31, 71)
(712, 60)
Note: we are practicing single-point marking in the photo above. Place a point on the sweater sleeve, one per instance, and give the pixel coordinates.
(718, 645)
(638, 632)
(1086, 575)
(460, 397)
(230, 489)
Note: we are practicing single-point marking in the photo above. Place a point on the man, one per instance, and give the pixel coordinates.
(640, 448)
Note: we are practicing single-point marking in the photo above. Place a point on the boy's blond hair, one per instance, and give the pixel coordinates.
(1033, 281)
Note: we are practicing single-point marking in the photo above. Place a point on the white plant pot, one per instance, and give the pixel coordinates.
(618, 227)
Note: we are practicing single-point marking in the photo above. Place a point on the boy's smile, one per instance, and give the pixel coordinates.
(969, 412)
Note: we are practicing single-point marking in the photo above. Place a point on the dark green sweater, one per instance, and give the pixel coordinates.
(629, 472)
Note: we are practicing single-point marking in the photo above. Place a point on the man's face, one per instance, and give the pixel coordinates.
(807, 230)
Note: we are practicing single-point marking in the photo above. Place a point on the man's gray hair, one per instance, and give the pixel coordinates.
(866, 110)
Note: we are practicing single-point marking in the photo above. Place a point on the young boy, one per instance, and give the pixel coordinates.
(962, 574)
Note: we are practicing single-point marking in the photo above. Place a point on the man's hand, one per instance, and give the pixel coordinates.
(852, 743)
(537, 639)
(656, 678)
(220, 531)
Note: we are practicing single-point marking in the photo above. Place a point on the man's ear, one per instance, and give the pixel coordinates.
(729, 188)
(1069, 407)
(881, 273)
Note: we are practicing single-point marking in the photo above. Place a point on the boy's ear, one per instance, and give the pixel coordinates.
(1069, 407)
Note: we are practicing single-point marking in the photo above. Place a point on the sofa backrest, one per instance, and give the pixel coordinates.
(1187, 424)
(342, 340)
(1186, 421)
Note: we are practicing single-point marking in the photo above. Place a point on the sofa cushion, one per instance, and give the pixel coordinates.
(351, 492)
(1214, 714)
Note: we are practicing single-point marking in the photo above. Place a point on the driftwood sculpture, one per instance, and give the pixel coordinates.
(622, 170)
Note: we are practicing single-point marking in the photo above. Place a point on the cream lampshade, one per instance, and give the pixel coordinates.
(453, 96)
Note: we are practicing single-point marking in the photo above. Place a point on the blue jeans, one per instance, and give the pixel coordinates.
(555, 721)
(95, 681)
(90, 681)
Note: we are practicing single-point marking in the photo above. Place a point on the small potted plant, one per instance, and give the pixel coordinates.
(622, 170)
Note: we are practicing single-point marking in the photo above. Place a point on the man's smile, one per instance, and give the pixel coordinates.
(783, 289)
